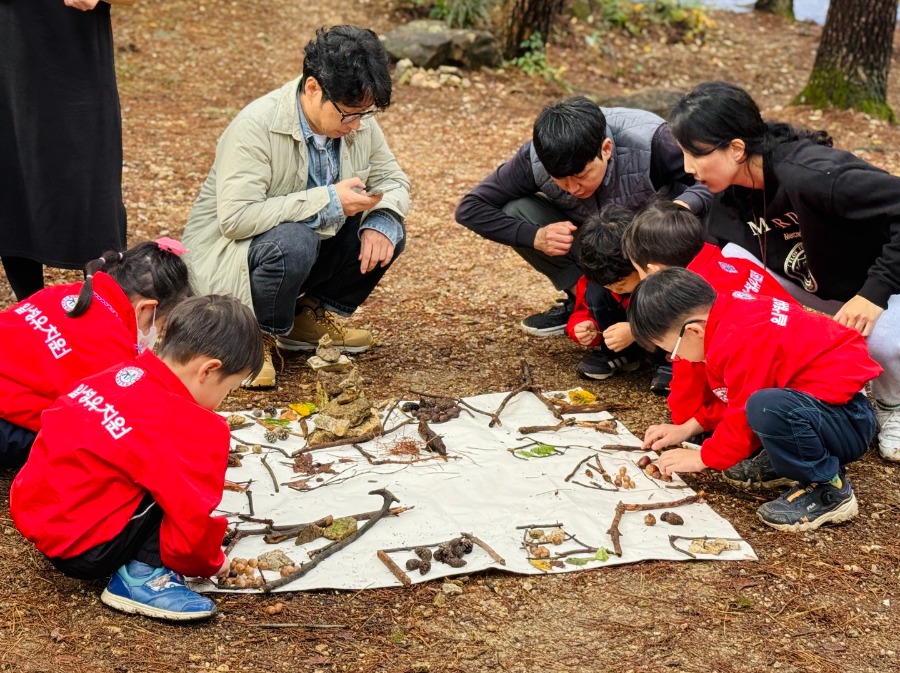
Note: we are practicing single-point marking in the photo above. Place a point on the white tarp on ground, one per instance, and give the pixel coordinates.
(483, 489)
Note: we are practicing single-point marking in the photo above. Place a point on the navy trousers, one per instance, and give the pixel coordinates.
(807, 439)
(15, 444)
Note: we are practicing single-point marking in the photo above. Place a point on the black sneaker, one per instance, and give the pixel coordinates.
(662, 380)
(552, 321)
(807, 507)
(599, 365)
(756, 472)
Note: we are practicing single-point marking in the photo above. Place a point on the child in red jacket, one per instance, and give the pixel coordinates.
(598, 320)
(61, 334)
(129, 465)
(790, 380)
(665, 235)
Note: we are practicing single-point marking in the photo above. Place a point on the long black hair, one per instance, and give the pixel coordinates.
(715, 113)
(145, 270)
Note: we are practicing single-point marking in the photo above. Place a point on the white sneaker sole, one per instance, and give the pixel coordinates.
(889, 453)
(630, 367)
(291, 345)
(135, 608)
(848, 510)
(546, 332)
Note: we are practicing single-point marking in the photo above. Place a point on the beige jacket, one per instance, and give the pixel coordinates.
(258, 180)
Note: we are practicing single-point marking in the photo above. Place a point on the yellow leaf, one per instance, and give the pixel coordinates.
(543, 566)
(581, 396)
(303, 408)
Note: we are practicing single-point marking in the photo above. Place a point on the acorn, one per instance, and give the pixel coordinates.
(650, 520)
(623, 471)
(413, 564)
(617, 482)
(644, 461)
(672, 518)
(287, 570)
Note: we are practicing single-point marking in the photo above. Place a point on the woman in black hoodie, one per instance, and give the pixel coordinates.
(824, 221)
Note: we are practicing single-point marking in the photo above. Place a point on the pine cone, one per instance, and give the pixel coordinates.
(423, 553)
(455, 562)
(270, 436)
(424, 567)
(413, 564)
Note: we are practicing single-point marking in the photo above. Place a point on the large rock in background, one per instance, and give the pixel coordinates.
(429, 44)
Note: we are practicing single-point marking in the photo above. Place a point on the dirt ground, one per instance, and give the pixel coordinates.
(445, 319)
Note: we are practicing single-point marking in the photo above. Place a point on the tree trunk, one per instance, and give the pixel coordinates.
(783, 8)
(854, 58)
(526, 17)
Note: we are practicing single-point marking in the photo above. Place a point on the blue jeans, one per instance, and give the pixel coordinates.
(807, 439)
(291, 260)
(15, 444)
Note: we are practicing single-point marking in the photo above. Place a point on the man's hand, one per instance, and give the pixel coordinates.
(351, 200)
(618, 337)
(666, 434)
(555, 239)
(375, 248)
(680, 460)
(83, 5)
(585, 332)
(859, 314)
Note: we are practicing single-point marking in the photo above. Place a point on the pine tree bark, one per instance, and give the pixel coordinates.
(526, 17)
(854, 58)
(783, 8)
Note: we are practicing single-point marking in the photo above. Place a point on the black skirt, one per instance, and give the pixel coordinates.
(60, 134)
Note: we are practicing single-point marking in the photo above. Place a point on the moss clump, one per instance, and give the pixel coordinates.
(831, 88)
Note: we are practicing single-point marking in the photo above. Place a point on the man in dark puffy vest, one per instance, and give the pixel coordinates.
(581, 157)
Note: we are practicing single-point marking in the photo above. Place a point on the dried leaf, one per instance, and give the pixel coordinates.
(580, 396)
(543, 566)
(298, 485)
(232, 486)
(304, 408)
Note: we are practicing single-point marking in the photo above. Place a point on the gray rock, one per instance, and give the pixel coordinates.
(658, 101)
(430, 44)
(426, 43)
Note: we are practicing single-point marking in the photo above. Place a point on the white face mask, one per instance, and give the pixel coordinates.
(146, 340)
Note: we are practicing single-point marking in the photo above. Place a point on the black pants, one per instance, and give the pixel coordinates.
(25, 276)
(562, 270)
(138, 541)
(291, 259)
(15, 444)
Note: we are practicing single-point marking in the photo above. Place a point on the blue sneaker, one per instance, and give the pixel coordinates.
(807, 507)
(141, 589)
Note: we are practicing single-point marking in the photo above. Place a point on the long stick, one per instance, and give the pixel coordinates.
(484, 545)
(332, 549)
(528, 429)
(621, 508)
(369, 436)
(522, 387)
(271, 474)
(394, 568)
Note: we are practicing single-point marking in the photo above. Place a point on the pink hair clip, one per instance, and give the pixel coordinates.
(170, 244)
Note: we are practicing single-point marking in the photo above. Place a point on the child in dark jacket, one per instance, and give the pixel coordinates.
(129, 465)
(789, 381)
(664, 235)
(61, 334)
(601, 297)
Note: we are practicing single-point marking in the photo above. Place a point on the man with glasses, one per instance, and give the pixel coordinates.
(303, 210)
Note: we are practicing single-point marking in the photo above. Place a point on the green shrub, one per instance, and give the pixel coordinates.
(458, 13)
(678, 20)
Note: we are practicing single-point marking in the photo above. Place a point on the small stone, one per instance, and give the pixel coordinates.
(451, 589)
(340, 528)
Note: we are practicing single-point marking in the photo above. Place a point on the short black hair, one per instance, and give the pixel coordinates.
(600, 240)
(665, 233)
(568, 135)
(217, 327)
(662, 302)
(351, 66)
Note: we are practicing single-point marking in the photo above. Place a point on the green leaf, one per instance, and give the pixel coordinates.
(601, 554)
(543, 450)
(579, 560)
(277, 421)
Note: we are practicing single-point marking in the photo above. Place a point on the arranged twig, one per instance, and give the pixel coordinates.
(262, 446)
(624, 447)
(249, 495)
(481, 543)
(526, 384)
(271, 473)
(237, 537)
(528, 429)
(461, 402)
(253, 519)
(433, 441)
(539, 525)
(622, 507)
(578, 467)
(394, 568)
(385, 461)
(592, 408)
(359, 439)
(332, 549)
